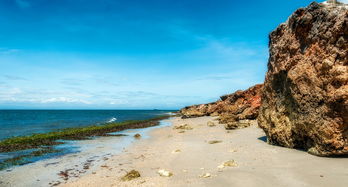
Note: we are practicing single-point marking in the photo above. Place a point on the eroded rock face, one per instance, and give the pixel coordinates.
(231, 108)
(305, 94)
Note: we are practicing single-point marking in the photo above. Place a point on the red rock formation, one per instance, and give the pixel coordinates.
(237, 106)
(305, 94)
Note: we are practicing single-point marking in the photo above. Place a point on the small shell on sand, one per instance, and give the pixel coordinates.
(176, 151)
(205, 175)
(164, 173)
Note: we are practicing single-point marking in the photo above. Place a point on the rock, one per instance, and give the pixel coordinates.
(214, 141)
(230, 163)
(164, 173)
(183, 127)
(137, 136)
(239, 124)
(233, 107)
(305, 94)
(211, 124)
(131, 175)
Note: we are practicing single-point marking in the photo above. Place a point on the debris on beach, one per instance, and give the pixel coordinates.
(183, 127)
(164, 173)
(131, 175)
(64, 174)
(142, 157)
(214, 141)
(205, 175)
(142, 182)
(137, 136)
(56, 183)
(181, 131)
(176, 151)
(230, 163)
(211, 124)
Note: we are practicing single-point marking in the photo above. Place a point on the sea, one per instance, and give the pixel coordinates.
(27, 122)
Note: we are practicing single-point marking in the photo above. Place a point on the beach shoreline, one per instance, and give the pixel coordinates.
(196, 157)
(90, 155)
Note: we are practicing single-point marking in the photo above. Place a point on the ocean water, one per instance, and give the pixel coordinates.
(26, 122)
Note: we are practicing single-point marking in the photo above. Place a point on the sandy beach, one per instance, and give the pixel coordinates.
(194, 161)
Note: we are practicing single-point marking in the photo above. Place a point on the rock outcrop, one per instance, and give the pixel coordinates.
(241, 105)
(305, 94)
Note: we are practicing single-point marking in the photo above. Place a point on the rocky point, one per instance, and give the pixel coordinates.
(232, 108)
(305, 94)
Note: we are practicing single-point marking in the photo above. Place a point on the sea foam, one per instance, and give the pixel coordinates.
(112, 120)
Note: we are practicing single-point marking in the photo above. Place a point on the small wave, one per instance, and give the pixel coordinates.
(112, 120)
(170, 113)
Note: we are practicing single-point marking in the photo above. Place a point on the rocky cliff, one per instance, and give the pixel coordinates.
(241, 105)
(305, 94)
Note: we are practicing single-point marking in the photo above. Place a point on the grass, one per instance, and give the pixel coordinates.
(50, 138)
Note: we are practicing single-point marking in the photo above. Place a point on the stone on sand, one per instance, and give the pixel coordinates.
(164, 173)
(133, 174)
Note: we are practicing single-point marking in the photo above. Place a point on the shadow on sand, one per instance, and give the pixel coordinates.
(264, 139)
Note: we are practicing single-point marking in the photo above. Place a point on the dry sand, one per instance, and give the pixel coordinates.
(189, 156)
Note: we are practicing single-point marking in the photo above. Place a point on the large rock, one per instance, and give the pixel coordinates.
(240, 105)
(305, 94)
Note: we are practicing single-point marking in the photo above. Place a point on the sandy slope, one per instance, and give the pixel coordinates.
(259, 164)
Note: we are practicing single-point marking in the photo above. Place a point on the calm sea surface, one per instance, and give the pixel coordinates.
(26, 122)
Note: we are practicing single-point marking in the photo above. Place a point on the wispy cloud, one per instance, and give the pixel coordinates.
(64, 100)
(6, 51)
(14, 78)
(23, 3)
(71, 82)
(106, 81)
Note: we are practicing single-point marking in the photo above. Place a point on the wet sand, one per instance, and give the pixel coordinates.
(190, 156)
(90, 156)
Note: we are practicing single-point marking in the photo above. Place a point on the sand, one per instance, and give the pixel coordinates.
(193, 161)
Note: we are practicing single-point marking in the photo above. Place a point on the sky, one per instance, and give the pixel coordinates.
(132, 54)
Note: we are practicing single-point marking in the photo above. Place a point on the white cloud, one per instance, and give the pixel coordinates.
(64, 100)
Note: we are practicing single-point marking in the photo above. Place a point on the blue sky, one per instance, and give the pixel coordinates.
(132, 54)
